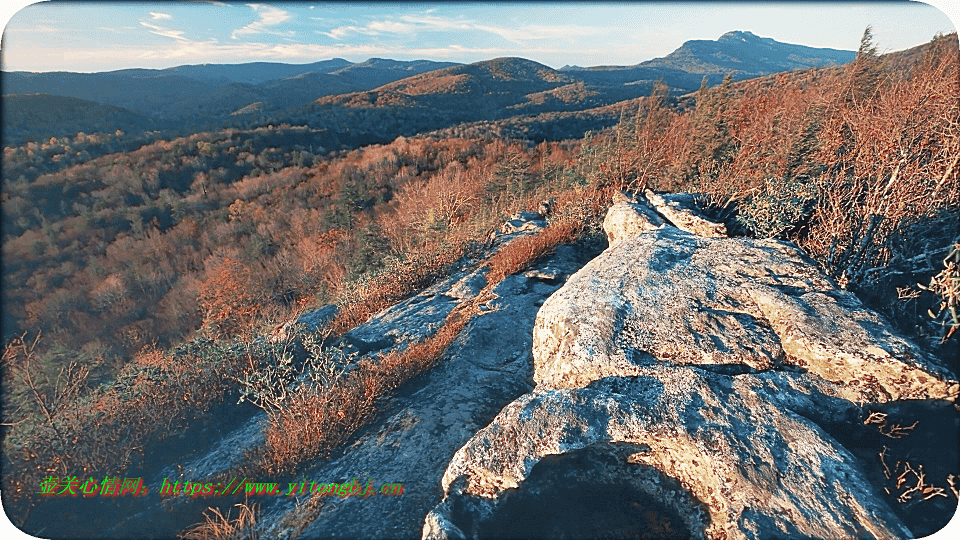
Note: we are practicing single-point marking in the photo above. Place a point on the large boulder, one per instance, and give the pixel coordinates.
(681, 452)
(736, 304)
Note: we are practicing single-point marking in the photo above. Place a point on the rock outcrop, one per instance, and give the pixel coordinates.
(682, 382)
(729, 304)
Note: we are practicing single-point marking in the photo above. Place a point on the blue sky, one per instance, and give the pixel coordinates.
(91, 36)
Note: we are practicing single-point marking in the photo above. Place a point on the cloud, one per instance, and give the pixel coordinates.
(411, 24)
(432, 22)
(119, 30)
(269, 16)
(210, 51)
(391, 27)
(531, 32)
(340, 32)
(157, 16)
(165, 32)
(374, 28)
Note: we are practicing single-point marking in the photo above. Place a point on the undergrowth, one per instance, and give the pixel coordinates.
(60, 427)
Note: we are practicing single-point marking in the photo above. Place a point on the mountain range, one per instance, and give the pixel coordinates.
(194, 97)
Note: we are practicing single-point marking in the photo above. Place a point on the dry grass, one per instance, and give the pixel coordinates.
(316, 421)
(890, 162)
(216, 526)
(371, 295)
(522, 252)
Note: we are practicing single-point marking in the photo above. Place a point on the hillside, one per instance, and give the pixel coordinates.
(493, 85)
(41, 116)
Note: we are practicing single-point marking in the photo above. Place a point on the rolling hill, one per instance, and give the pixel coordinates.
(209, 91)
(40, 116)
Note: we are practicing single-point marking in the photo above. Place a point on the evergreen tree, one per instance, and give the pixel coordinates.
(866, 73)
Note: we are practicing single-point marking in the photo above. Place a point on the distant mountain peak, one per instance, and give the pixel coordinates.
(747, 54)
(738, 35)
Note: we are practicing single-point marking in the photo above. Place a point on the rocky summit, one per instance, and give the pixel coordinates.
(690, 384)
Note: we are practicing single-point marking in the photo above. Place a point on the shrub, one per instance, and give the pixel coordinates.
(225, 296)
(316, 419)
(68, 429)
(523, 251)
(778, 207)
(268, 385)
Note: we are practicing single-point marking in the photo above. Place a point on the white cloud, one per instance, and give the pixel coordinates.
(523, 34)
(165, 32)
(210, 51)
(157, 16)
(374, 28)
(432, 22)
(391, 27)
(269, 16)
(411, 24)
(119, 30)
(340, 32)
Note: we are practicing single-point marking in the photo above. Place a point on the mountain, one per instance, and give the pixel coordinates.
(499, 83)
(254, 72)
(482, 91)
(746, 54)
(742, 53)
(340, 96)
(502, 88)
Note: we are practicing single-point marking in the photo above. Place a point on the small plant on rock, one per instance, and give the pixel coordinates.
(269, 386)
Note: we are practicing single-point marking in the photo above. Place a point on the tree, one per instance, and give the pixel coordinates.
(713, 146)
(865, 72)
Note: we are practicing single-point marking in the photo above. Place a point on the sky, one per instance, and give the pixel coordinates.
(95, 36)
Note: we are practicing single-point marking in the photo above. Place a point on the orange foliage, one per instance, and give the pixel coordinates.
(225, 296)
